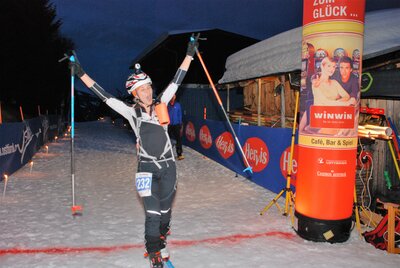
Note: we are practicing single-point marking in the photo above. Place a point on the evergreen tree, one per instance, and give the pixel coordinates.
(31, 46)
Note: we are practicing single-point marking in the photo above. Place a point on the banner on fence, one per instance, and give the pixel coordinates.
(20, 141)
(266, 149)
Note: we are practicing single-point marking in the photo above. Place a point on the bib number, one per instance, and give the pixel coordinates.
(143, 183)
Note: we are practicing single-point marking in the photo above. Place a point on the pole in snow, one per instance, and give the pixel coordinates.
(5, 186)
(76, 209)
(248, 167)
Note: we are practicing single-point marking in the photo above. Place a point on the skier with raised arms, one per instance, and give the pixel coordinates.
(156, 174)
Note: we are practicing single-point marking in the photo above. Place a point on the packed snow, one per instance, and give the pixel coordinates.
(216, 218)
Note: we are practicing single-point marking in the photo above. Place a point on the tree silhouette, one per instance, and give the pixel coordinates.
(31, 46)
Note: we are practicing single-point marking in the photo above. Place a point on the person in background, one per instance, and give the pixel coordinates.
(156, 173)
(175, 125)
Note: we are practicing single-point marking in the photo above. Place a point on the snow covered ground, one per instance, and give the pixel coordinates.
(216, 221)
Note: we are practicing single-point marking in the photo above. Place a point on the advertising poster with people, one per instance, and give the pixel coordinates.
(330, 95)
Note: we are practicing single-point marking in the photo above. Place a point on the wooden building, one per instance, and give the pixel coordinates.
(267, 101)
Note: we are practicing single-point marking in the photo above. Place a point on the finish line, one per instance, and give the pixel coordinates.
(175, 243)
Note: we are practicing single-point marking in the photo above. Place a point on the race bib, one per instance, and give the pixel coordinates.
(143, 183)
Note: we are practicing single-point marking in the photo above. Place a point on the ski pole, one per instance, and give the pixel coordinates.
(248, 167)
(5, 186)
(76, 209)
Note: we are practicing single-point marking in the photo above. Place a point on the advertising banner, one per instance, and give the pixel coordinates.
(266, 149)
(332, 48)
(20, 141)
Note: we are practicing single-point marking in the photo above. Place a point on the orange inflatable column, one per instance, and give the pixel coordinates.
(330, 94)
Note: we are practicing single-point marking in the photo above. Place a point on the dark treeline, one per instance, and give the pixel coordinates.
(31, 45)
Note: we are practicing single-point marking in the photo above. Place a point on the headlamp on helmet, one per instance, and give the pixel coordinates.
(137, 79)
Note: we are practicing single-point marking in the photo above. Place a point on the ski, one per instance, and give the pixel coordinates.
(168, 264)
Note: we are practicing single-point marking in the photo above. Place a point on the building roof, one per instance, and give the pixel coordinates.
(282, 53)
(161, 60)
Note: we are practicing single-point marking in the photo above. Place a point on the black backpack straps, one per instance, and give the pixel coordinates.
(138, 110)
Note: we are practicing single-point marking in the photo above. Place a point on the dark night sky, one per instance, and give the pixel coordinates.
(109, 33)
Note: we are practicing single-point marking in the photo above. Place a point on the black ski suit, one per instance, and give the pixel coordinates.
(155, 156)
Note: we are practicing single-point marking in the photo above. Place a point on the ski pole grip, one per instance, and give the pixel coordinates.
(72, 59)
(194, 38)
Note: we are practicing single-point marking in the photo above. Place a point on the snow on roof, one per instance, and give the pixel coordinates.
(381, 32)
(282, 53)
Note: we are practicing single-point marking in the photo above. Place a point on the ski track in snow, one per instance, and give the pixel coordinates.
(215, 223)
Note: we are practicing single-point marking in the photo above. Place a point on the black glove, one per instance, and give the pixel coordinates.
(76, 67)
(193, 45)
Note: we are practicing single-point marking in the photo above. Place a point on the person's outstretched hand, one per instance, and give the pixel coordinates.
(193, 45)
(75, 66)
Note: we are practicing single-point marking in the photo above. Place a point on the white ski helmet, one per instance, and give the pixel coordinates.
(137, 79)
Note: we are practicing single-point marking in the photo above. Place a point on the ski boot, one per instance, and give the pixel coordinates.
(165, 257)
(164, 254)
(164, 251)
(155, 260)
(163, 248)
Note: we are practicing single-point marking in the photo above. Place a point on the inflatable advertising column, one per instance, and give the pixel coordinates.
(332, 36)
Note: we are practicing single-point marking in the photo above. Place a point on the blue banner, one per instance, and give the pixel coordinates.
(20, 141)
(266, 149)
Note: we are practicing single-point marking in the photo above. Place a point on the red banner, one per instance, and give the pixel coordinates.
(257, 153)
